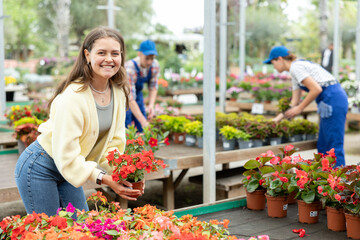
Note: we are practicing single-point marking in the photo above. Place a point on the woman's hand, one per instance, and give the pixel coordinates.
(278, 118)
(292, 112)
(123, 189)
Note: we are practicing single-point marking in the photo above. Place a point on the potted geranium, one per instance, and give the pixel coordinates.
(277, 186)
(132, 165)
(254, 180)
(349, 198)
(309, 175)
(330, 192)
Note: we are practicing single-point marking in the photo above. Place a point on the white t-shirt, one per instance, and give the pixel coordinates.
(300, 69)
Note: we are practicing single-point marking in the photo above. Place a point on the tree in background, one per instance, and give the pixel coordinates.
(48, 26)
(21, 28)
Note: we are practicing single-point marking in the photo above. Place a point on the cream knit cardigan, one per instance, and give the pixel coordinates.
(70, 134)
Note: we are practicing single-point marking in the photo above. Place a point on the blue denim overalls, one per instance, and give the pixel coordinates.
(332, 129)
(139, 85)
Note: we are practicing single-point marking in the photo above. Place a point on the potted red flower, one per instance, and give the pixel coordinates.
(132, 165)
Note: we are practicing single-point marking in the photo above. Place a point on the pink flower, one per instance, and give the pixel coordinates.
(275, 160)
(289, 147)
(320, 190)
(337, 197)
(70, 208)
(263, 237)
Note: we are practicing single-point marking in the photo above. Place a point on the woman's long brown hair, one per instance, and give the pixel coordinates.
(82, 71)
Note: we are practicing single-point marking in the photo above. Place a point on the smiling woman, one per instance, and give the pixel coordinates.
(86, 122)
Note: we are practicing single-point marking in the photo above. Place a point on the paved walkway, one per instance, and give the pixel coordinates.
(245, 223)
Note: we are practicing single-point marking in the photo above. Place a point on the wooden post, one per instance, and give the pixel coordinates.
(169, 193)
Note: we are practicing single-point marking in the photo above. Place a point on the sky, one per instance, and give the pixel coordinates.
(180, 14)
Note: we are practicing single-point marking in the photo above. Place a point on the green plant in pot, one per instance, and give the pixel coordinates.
(176, 126)
(192, 130)
(243, 139)
(229, 134)
(259, 130)
(26, 130)
(254, 180)
(283, 104)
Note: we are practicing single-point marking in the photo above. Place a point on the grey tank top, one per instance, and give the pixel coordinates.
(105, 116)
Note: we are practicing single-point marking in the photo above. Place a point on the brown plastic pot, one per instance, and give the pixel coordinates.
(277, 206)
(256, 200)
(352, 226)
(335, 219)
(308, 212)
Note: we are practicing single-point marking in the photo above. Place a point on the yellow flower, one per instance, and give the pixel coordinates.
(12, 117)
(9, 80)
(12, 108)
(17, 107)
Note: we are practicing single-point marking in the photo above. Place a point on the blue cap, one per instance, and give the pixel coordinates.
(147, 47)
(279, 51)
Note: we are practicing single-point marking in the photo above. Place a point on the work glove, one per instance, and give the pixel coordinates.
(325, 110)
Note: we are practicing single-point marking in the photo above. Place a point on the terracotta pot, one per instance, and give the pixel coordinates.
(335, 219)
(255, 200)
(291, 197)
(352, 226)
(308, 212)
(138, 186)
(179, 138)
(277, 206)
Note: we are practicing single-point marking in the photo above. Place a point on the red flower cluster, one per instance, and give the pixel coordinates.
(132, 165)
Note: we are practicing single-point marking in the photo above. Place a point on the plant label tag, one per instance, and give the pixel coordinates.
(181, 138)
(285, 207)
(226, 145)
(313, 213)
(257, 108)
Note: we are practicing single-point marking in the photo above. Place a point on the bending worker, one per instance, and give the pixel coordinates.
(140, 70)
(321, 86)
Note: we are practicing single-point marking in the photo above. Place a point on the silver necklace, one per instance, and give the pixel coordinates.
(107, 86)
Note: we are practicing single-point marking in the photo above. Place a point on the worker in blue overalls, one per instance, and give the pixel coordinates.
(140, 70)
(321, 86)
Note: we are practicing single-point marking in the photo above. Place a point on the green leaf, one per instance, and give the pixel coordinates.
(265, 159)
(267, 169)
(112, 232)
(252, 186)
(308, 197)
(207, 233)
(304, 167)
(275, 184)
(251, 164)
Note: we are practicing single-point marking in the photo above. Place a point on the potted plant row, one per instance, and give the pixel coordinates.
(194, 133)
(316, 182)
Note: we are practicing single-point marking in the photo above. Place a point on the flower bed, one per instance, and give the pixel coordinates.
(112, 222)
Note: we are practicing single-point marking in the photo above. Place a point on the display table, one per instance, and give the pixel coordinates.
(177, 157)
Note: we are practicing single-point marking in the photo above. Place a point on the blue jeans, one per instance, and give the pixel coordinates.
(41, 186)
